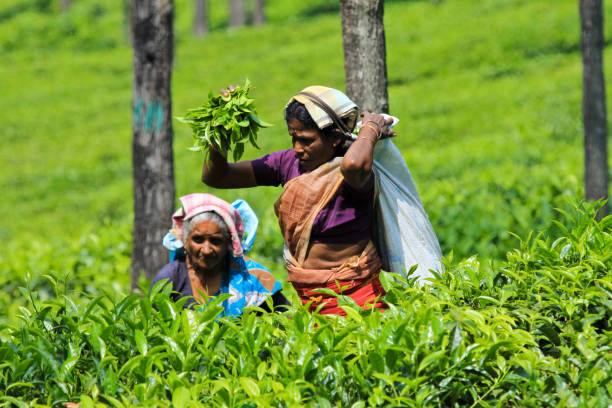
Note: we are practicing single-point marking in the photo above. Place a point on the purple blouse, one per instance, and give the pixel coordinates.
(347, 218)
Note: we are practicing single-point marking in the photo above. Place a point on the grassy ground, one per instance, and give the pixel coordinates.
(488, 96)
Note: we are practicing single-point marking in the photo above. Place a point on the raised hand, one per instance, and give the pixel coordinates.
(378, 123)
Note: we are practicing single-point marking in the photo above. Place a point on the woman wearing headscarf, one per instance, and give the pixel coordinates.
(326, 209)
(211, 231)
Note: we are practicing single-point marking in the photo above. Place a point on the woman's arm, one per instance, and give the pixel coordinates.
(356, 166)
(218, 173)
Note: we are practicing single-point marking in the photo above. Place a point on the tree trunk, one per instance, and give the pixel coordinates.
(259, 17)
(365, 56)
(126, 9)
(200, 18)
(152, 162)
(237, 13)
(594, 103)
(66, 5)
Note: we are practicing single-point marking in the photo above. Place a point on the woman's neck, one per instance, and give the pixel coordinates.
(208, 281)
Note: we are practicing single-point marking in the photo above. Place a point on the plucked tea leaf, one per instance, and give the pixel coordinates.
(225, 123)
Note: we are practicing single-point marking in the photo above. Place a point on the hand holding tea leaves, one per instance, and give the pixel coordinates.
(226, 122)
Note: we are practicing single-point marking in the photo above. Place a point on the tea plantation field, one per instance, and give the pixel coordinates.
(489, 97)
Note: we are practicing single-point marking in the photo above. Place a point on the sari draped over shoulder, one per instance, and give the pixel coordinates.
(356, 275)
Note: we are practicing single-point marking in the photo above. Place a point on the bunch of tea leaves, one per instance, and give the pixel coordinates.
(226, 122)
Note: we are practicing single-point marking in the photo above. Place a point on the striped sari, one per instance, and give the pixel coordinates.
(356, 275)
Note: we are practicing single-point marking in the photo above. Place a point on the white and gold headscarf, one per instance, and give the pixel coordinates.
(345, 108)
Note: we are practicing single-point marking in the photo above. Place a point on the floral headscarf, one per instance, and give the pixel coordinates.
(198, 203)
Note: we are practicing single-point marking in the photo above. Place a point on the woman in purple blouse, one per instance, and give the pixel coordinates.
(326, 209)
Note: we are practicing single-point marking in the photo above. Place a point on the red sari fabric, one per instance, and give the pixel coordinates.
(366, 293)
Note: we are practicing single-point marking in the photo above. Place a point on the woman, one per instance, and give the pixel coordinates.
(211, 231)
(326, 209)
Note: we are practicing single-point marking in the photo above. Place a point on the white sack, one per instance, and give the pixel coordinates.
(403, 234)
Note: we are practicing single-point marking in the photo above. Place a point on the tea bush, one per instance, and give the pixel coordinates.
(533, 330)
(90, 265)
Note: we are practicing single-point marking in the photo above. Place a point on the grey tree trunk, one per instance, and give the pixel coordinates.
(237, 13)
(152, 159)
(259, 16)
(594, 102)
(200, 18)
(365, 56)
(66, 5)
(126, 9)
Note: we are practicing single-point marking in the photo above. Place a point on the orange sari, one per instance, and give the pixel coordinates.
(355, 275)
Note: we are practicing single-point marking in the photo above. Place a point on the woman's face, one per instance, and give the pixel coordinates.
(310, 146)
(207, 246)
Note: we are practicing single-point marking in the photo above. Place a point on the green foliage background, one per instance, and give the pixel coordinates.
(489, 103)
(489, 97)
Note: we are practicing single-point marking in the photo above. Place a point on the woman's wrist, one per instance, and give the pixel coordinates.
(374, 126)
(368, 132)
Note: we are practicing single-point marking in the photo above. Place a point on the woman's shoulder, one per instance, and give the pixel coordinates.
(282, 155)
(277, 158)
(275, 168)
(173, 272)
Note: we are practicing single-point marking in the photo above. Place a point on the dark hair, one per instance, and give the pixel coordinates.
(297, 110)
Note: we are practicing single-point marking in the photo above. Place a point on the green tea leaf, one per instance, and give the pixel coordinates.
(249, 386)
(141, 342)
(86, 401)
(180, 397)
(225, 123)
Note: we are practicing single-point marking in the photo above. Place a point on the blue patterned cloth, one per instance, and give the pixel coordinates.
(249, 282)
(250, 221)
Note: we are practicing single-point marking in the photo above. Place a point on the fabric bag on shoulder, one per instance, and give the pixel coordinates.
(402, 232)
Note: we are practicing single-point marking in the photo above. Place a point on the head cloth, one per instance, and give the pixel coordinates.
(198, 203)
(340, 103)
